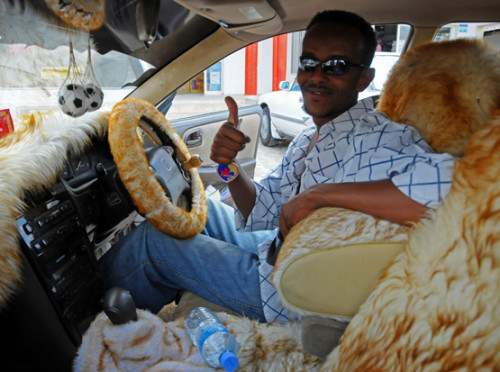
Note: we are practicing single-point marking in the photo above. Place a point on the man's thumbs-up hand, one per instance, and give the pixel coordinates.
(229, 140)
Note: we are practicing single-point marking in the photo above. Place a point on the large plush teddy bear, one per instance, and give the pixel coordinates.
(437, 306)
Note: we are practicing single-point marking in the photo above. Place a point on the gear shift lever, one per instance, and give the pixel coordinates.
(119, 306)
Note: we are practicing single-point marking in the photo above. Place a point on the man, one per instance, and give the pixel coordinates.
(354, 158)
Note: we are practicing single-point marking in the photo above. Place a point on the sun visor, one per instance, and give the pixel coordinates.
(238, 16)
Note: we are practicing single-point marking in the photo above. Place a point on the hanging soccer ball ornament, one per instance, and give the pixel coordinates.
(96, 96)
(73, 100)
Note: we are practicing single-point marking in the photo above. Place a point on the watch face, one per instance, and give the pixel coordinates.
(228, 172)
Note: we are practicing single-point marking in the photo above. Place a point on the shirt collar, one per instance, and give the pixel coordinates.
(345, 122)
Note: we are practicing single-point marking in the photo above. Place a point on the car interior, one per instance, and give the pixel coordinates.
(62, 210)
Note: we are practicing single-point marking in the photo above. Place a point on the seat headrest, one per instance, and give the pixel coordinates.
(447, 90)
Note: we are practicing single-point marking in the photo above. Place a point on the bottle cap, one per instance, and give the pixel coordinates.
(229, 361)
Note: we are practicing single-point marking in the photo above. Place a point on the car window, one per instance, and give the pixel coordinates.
(382, 63)
(488, 32)
(33, 76)
(258, 69)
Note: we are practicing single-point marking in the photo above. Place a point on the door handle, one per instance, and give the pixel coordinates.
(193, 138)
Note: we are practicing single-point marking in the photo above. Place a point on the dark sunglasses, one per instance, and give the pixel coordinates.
(333, 67)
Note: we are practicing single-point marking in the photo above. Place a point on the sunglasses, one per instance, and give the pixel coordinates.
(333, 67)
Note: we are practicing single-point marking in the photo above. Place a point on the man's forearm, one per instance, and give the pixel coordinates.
(379, 198)
(243, 193)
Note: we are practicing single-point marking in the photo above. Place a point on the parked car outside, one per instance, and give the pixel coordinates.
(283, 113)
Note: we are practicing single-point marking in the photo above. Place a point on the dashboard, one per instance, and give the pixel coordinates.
(64, 231)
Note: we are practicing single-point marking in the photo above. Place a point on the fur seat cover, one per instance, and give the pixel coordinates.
(437, 308)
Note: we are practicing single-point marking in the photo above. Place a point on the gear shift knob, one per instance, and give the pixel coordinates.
(119, 306)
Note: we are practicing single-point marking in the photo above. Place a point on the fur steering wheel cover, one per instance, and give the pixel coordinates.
(141, 183)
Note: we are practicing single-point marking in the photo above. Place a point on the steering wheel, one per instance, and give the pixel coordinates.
(164, 184)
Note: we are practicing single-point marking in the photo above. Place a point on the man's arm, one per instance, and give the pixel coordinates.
(227, 143)
(379, 198)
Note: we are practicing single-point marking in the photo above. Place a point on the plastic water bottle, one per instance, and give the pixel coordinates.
(216, 344)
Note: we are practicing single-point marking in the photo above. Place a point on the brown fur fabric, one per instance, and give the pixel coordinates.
(438, 307)
(446, 90)
(146, 192)
(32, 158)
(83, 14)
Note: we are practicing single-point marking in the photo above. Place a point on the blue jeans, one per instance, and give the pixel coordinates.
(220, 264)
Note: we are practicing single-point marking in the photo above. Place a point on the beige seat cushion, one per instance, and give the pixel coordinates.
(336, 281)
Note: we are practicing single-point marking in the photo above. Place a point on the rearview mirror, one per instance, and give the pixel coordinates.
(284, 85)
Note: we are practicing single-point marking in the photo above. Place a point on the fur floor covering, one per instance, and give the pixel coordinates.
(149, 344)
(31, 158)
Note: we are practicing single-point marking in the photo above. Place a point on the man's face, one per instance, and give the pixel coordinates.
(326, 96)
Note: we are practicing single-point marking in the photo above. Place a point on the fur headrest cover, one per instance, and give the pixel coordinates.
(447, 90)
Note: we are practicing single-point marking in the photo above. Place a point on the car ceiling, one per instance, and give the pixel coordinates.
(251, 20)
(152, 33)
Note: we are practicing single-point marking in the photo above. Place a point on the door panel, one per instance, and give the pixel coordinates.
(198, 133)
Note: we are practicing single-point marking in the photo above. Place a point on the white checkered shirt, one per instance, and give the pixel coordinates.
(359, 145)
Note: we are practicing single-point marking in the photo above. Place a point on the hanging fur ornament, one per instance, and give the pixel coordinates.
(92, 87)
(83, 14)
(73, 98)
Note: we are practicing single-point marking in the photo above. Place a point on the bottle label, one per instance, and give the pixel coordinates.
(209, 331)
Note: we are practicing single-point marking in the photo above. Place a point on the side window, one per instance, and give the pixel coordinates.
(391, 37)
(260, 68)
(489, 32)
(253, 76)
(391, 41)
(296, 50)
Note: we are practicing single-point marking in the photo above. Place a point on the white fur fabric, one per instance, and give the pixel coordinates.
(31, 159)
(149, 344)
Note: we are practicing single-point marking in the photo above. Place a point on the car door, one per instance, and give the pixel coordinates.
(198, 131)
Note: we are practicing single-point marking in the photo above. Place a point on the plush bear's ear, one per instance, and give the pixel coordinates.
(447, 90)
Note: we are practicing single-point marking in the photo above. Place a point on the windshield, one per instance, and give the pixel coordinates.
(33, 75)
(36, 59)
